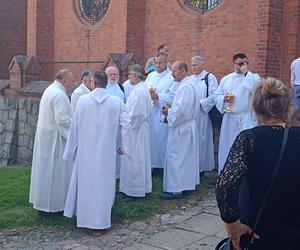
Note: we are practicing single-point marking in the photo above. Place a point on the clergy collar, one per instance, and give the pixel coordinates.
(59, 85)
(164, 72)
(85, 87)
(113, 83)
(139, 83)
(184, 79)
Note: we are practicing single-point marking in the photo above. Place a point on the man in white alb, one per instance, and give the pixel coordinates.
(162, 89)
(181, 170)
(82, 89)
(92, 145)
(135, 177)
(207, 102)
(50, 174)
(115, 88)
(234, 96)
(295, 81)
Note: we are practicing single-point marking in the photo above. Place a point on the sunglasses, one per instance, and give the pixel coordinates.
(240, 64)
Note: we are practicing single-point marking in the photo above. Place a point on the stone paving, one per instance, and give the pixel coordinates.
(198, 227)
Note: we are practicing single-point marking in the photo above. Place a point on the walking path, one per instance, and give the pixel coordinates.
(198, 227)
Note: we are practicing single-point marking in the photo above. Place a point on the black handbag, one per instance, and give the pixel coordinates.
(214, 114)
(247, 240)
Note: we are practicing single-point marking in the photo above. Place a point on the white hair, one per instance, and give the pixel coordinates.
(198, 59)
(111, 67)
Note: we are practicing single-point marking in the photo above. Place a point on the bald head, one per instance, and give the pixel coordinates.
(65, 77)
(63, 74)
(179, 70)
(112, 74)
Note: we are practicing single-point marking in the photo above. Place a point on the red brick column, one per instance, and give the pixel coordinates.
(40, 33)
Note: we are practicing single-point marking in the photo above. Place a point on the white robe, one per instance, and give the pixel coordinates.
(163, 83)
(128, 87)
(242, 117)
(181, 170)
(50, 174)
(79, 91)
(115, 90)
(205, 131)
(135, 177)
(92, 145)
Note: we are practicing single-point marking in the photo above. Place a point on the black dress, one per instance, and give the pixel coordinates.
(254, 155)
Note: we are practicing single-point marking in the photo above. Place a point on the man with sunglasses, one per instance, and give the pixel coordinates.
(233, 96)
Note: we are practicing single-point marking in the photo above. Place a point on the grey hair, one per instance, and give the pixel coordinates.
(138, 70)
(198, 59)
(86, 74)
(63, 74)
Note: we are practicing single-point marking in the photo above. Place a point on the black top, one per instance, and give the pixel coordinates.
(254, 155)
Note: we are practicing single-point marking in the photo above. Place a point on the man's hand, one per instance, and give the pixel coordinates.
(244, 67)
(229, 98)
(165, 109)
(120, 151)
(154, 95)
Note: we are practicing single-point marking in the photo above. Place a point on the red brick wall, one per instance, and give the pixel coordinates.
(290, 38)
(261, 29)
(74, 40)
(13, 18)
(229, 28)
(136, 28)
(267, 31)
(40, 33)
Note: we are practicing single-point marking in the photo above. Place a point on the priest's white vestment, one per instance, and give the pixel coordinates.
(92, 145)
(115, 90)
(242, 116)
(50, 174)
(128, 87)
(79, 91)
(205, 131)
(135, 175)
(163, 84)
(181, 170)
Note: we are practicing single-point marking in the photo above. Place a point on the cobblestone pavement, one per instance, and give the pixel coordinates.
(197, 227)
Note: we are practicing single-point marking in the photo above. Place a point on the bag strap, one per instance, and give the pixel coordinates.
(206, 82)
(282, 150)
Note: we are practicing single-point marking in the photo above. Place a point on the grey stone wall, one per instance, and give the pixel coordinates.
(18, 119)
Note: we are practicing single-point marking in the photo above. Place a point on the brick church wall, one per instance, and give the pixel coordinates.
(13, 19)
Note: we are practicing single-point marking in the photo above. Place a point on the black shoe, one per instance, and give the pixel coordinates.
(49, 214)
(170, 196)
(130, 199)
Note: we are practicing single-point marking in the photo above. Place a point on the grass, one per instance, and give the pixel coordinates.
(15, 210)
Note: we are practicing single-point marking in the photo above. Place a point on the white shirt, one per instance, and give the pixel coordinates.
(295, 72)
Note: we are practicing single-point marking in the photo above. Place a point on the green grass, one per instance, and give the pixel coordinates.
(15, 210)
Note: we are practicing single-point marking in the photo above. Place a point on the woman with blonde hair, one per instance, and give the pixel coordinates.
(254, 156)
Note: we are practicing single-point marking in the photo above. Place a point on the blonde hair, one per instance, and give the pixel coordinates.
(272, 99)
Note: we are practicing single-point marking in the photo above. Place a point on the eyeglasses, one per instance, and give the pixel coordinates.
(195, 65)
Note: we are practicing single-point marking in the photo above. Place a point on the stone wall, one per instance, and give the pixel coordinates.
(18, 119)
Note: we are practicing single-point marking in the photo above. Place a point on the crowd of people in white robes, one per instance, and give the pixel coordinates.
(110, 130)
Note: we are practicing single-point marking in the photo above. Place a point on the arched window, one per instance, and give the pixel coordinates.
(201, 4)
